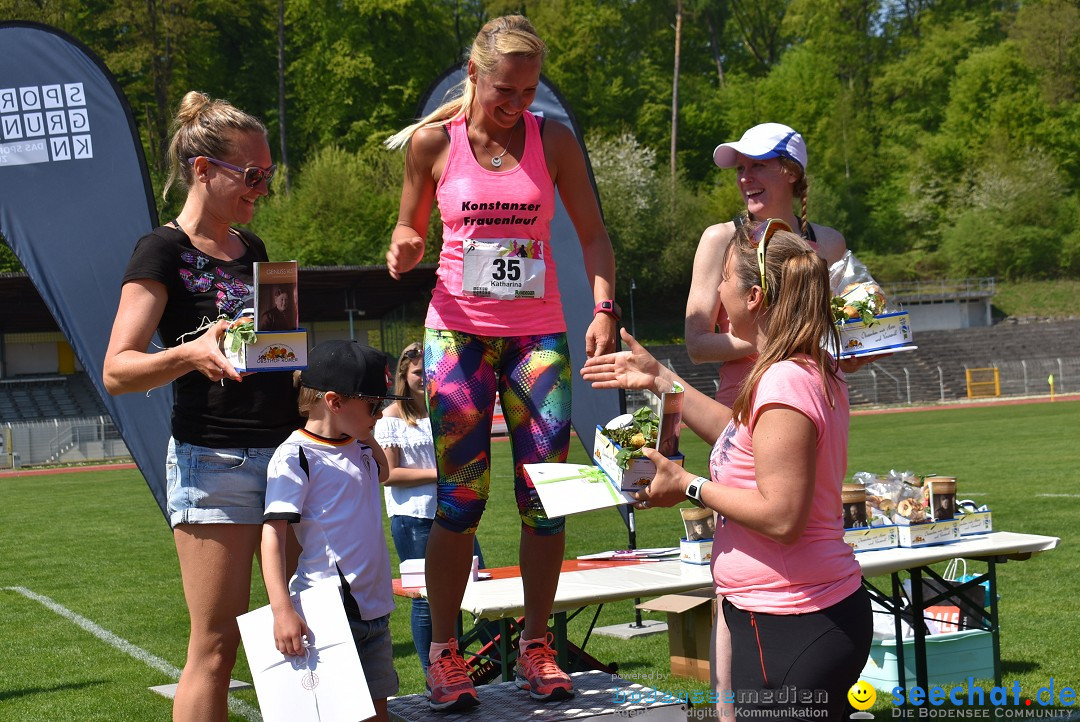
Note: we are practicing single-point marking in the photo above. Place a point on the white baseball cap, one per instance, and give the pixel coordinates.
(768, 140)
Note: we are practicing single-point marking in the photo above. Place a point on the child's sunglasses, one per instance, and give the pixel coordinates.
(377, 403)
(253, 175)
(760, 238)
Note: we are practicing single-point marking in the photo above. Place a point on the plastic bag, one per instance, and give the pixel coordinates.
(856, 295)
(896, 497)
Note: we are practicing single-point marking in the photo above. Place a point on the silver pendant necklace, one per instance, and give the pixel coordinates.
(496, 160)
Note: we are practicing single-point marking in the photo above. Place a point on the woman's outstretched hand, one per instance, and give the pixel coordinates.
(632, 369)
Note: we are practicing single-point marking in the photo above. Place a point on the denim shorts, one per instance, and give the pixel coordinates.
(215, 486)
(376, 651)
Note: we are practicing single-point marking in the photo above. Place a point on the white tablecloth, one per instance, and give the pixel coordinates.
(499, 598)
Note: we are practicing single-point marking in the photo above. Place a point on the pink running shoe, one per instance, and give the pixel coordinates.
(538, 673)
(449, 688)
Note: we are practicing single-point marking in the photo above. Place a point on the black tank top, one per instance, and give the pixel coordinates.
(744, 217)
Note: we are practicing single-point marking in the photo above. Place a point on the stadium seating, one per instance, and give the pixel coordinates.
(1024, 352)
(35, 398)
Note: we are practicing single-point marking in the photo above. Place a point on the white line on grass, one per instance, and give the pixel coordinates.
(237, 706)
(1062, 496)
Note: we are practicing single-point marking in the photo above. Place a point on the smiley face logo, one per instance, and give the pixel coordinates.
(862, 695)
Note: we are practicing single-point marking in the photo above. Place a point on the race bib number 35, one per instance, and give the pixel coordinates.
(503, 268)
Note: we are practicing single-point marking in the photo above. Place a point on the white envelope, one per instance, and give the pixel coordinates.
(574, 488)
(326, 685)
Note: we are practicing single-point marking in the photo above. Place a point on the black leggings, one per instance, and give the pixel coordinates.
(798, 665)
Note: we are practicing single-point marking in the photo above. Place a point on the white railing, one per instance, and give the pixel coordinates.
(874, 384)
(59, 441)
(908, 291)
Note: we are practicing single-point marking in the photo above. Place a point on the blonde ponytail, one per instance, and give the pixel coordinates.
(800, 321)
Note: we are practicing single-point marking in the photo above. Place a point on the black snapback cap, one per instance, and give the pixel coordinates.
(348, 368)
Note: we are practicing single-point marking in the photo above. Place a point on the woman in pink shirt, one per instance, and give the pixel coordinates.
(495, 323)
(798, 616)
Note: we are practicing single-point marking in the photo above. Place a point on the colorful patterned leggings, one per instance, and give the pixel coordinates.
(532, 376)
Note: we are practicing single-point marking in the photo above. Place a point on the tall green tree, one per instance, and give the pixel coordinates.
(359, 67)
(340, 211)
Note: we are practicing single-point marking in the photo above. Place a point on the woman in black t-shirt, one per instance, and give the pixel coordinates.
(186, 280)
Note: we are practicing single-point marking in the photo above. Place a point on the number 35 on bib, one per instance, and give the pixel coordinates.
(503, 268)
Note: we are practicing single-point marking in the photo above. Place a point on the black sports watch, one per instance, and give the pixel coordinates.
(693, 491)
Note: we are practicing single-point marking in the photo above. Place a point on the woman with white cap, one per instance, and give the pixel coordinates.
(770, 167)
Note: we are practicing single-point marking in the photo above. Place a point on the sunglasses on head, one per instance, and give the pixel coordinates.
(760, 238)
(413, 353)
(253, 175)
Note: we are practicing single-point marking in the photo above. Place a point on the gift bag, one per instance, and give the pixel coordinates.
(957, 573)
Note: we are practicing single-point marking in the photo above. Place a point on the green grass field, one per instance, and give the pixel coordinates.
(95, 543)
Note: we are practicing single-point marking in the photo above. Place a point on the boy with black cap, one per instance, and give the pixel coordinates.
(326, 478)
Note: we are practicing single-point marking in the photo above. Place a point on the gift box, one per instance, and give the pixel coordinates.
(271, 351)
(639, 472)
(928, 533)
(891, 331)
(975, 522)
(864, 539)
(698, 551)
(939, 497)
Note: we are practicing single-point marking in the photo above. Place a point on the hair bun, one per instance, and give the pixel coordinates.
(191, 106)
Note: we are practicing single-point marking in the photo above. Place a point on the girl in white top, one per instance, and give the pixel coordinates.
(404, 433)
(406, 429)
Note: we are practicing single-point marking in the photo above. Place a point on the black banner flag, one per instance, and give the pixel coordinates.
(75, 195)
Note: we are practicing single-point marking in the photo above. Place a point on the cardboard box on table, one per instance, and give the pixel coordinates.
(975, 522)
(696, 551)
(690, 630)
(927, 533)
(864, 539)
(413, 577)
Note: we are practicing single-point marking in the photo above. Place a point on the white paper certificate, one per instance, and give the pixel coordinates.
(326, 685)
(574, 488)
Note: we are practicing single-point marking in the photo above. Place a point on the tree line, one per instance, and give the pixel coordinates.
(942, 134)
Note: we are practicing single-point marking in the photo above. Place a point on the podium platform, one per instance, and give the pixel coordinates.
(598, 697)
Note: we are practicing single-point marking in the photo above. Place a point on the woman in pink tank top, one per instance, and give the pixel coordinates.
(770, 165)
(495, 323)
